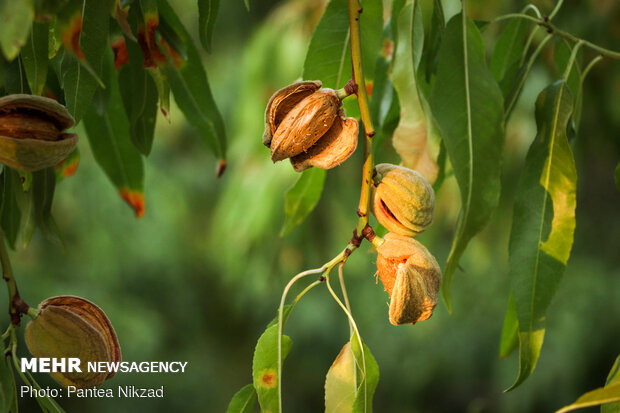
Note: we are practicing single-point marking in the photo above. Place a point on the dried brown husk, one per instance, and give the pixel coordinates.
(411, 276)
(305, 124)
(69, 326)
(282, 102)
(31, 132)
(333, 148)
(403, 201)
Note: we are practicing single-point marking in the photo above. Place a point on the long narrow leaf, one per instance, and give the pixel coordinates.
(543, 222)
(190, 87)
(468, 106)
(302, 197)
(207, 15)
(107, 128)
(35, 57)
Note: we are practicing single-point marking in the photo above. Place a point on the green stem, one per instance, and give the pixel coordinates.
(552, 29)
(17, 306)
(355, 10)
(281, 321)
(515, 97)
(590, 66)
(556, 9)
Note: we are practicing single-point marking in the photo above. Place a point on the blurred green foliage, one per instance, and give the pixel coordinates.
(200, 275)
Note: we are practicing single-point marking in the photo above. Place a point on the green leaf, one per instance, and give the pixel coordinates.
(80, 83)
(468, 106)
(286, 311)
(602, 395)
(504, 63)
(108, 128)
(8, 392)
(543, 222)
(243, 401)
(34, 57)
(247, 4)
(302, 197)
(416, 143)
(368, 382)
(207, 14)
(15, 77)
(15, 21)
(340, 383)
(67, 168)
(189, 84)
(42, 191)
(10, 215)
(562, 54)
(265, 368)
(329, 55)
(510, 330)
(613, 378)
(139, 94)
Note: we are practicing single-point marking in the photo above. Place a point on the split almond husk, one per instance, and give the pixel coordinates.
(335, 147)
(306, 124)
(31, 132)
(72, 327)
(403, 200)
(411, 276)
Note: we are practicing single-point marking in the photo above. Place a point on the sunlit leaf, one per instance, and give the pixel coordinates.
(600, 396)
(15, 21)
(543, 223)
(510, 330)
(243, 401)
(190, 87)
(302, 197)
(340, 383)
(329, 55)
(207, 14)
(613, 378)
(34, 57)
(265, 368)
(91, 30)
(468, 106)
(414, 141)
(108, 128)
(368, 381)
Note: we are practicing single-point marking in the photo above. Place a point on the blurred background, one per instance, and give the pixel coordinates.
(201, 274)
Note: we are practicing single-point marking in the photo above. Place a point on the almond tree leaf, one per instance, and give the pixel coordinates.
(8, 391)
(265, 368)
(139, 94)
(612, 379)
(243, 401)
(79, 83)
(108, 128)
(340, 383)
(510, 330)
(329, 55)
(34, 57)
(302, 197)
(15, 77)
(190, 87)
(368, 382)
(543, 222)
(602, 395)
(504, 63)
(468, 106)
(416, 143)
(10, 214)
(207, 15)
(562, 54)
(67, 168)
(15, 21)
